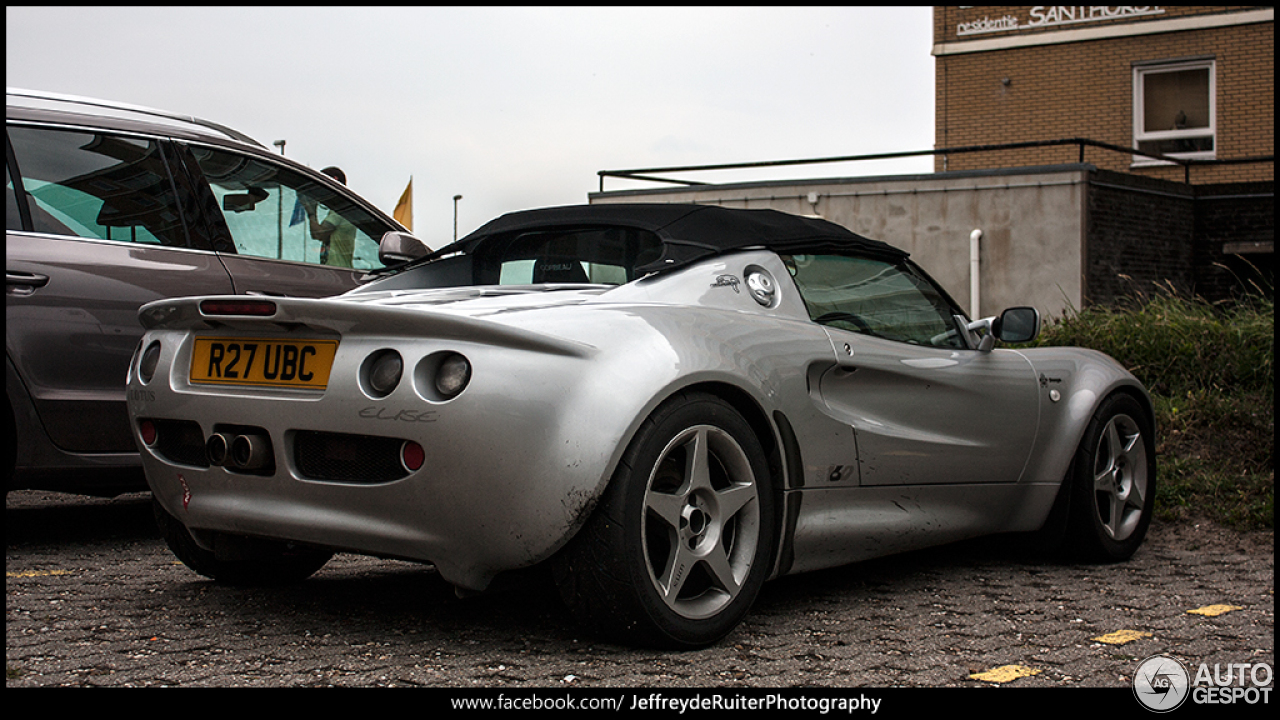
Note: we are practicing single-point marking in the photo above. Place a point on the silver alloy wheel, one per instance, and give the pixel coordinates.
(1120, 477)
(702, 522)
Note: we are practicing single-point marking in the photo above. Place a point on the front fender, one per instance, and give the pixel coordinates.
(1073, 383)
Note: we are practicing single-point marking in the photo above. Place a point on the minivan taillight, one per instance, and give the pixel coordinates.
(261, 308)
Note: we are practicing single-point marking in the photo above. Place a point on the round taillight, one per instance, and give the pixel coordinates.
(453, 375)
(382, 372)
(147, 430)
(150, 360)
(412, 455)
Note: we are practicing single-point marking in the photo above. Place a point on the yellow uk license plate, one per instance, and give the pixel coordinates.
(263, 362)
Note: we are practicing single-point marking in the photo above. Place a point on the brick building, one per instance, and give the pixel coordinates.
(1190, 82)
(1070, 225)
(1193, 82)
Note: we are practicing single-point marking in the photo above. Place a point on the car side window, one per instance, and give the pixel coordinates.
(886, 299)
(274, 212)
(97, 185)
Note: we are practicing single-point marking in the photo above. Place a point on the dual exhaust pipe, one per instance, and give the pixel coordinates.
(248, 452)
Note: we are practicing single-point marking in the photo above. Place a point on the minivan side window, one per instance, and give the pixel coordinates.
(97, 185)
(274, 212)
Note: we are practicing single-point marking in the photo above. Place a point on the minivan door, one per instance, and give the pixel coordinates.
(104, 234)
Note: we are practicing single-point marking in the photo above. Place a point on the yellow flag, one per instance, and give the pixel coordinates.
(404, 208)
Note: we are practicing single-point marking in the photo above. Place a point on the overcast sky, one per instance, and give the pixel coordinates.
(511, 108)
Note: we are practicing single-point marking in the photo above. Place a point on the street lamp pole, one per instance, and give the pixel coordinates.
(279, 144)
(456, 198)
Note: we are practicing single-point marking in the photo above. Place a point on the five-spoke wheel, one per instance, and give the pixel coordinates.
(702, 522)
(680, 544)
(1114, 481)
(1120, 477)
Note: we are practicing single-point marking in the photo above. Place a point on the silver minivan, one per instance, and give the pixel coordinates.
(108, 207)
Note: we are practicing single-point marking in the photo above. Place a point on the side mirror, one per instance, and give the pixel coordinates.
(399, 247)
(1015, 325)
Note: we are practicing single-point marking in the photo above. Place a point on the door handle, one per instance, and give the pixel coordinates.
(25, 279)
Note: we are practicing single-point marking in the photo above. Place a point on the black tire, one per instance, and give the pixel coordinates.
(272, 562)
(679, 546)
(1113, 482)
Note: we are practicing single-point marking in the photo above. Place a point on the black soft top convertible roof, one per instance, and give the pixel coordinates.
(688, 232)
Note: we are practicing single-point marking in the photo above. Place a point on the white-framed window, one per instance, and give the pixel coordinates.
(1175, 110)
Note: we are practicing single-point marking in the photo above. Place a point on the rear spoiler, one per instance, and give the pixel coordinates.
(337, 317)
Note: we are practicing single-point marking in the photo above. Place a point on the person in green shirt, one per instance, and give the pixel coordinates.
(336, 234)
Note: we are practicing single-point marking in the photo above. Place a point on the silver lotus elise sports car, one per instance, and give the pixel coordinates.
(664, 404)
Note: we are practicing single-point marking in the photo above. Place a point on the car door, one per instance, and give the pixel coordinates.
(926, 409)
(266, 219)
(96, 231)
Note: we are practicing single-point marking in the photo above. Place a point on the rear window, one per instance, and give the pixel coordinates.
(607, 256)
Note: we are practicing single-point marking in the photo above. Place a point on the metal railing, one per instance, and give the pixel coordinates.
(645, 174)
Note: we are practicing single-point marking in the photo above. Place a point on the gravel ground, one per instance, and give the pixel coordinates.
(95, 599)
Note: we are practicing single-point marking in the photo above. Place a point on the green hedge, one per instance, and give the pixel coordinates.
(1211, 372)
(1176, 345)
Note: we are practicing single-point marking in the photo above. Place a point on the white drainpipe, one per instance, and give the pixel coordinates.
(974, 275)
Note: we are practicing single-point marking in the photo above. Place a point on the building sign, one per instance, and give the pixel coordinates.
(1045, 16)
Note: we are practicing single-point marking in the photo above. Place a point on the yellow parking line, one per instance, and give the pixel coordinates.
(1120, 637)
(1004, 674)
(1214, 610)
(36, 573)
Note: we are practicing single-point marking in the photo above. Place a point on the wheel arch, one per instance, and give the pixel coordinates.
(10, 442)
(1143, 399)
(18, 435)
(593, 575)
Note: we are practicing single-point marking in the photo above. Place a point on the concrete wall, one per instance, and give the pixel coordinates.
(1033, 223)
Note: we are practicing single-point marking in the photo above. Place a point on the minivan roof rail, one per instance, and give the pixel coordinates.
(142, 110)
